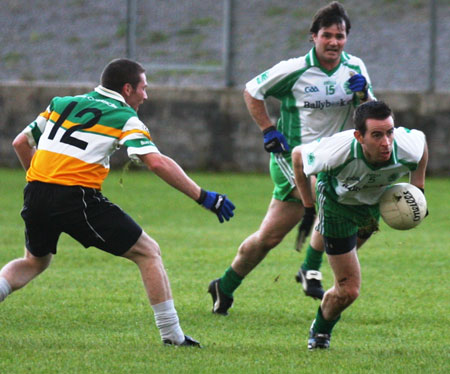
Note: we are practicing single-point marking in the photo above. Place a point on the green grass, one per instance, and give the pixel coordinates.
(88, 312)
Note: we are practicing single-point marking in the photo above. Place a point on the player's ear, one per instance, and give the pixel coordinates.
(359, 137)
(126, 90)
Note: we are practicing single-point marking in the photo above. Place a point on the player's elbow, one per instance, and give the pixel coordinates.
(154, 161)
(297, 153)
(20, 141)
(297, 161)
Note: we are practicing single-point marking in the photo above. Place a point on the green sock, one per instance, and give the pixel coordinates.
(313, 259)
(322, 325)
(229, 282)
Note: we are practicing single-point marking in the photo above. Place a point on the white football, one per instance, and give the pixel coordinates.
(403, 206)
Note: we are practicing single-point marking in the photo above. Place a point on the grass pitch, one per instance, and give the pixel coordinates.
(88, 312)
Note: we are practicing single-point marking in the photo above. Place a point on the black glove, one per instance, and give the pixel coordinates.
(304, 229)
(423, 191)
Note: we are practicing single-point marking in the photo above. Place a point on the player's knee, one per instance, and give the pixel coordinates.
(349, 294)
(270, 240)
(145, 248)
(152, 251)
(353, 293)
(39, 264)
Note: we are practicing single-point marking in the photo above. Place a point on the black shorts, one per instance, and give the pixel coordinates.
(83, 213)
(339, 246)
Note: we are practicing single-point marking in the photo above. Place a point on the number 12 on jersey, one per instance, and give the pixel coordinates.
(67, 138)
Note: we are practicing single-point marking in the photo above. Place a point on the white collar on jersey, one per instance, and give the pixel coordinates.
(110, 93)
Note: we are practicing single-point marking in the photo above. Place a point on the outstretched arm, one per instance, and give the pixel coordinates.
(172, 173)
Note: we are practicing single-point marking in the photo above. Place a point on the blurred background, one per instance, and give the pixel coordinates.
(200, 53)
(217, 43)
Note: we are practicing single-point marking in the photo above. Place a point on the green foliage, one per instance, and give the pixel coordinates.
(194, 27)
(27, 76)
(12, 58)
(73, 39)
(275, 11)
(296, 37)
(121, 31)
(155, 37)
(102, 43)
(88, 312)
(188, 31)
(37, 37)
(204, 21)
(414, 3)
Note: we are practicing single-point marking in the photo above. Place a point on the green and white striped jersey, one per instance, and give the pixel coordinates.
(314, 102)
(347, 175)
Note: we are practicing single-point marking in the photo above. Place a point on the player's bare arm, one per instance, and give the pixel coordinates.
(301, 180)
(169, 171)
(274, 141)
(23, 150)
(417, 177)
(258, 111)
(172, 173)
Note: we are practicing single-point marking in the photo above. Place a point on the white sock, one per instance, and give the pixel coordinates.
(166, 318)
(5, 288)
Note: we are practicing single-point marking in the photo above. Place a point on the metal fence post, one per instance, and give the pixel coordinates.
(131, 29)
(432, 59)
(226, 53)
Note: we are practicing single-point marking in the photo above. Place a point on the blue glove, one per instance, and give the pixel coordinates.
(217, 203)
(274, 141)
(358, 84)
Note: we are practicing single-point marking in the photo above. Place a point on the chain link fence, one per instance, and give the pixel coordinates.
(218, 43)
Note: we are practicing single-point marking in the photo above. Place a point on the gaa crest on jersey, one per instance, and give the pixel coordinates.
(393, 177)
(310, 89)
(311, 158)
(263, 77)
(347, 90)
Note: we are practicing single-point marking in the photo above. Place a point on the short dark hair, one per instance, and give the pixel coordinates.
(121, 71)
(331, 14)
(370, 110)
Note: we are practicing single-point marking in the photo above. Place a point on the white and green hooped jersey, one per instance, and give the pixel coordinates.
(314, 102)
(345, 172)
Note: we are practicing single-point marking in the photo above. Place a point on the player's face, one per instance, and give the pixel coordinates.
(329, 43)
(135, 97)
(378, 140)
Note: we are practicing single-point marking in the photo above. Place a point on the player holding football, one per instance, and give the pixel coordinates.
(318, 93)
(65, 152)
(354, 168)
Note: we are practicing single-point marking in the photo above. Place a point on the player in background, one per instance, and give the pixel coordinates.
(354, 168)
(317, 92)
(65, 152)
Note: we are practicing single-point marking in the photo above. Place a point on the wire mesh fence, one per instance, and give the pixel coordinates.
(218, 42)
